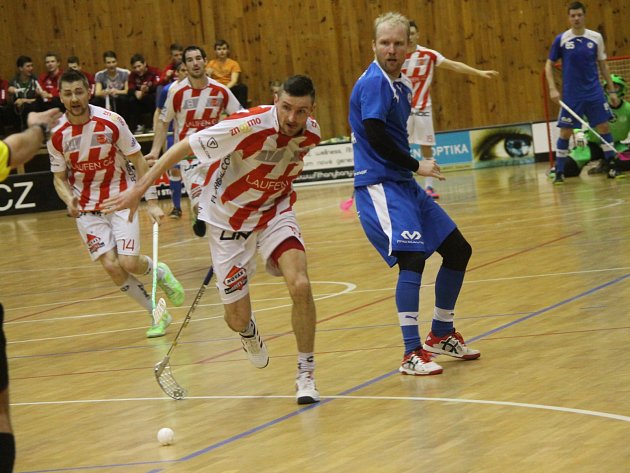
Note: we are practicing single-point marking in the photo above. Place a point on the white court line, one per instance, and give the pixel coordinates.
(348, 288)
(466, 281)
(525, 405)
(100, 333)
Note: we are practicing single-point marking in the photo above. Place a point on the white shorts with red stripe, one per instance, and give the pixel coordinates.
(194, 176)
(102, 233)
(420, 127)
(234, 253)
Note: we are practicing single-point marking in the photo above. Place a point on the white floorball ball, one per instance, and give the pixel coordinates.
(166, 436)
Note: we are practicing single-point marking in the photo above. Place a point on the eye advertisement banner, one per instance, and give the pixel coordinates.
(496, 146)
(502, 146)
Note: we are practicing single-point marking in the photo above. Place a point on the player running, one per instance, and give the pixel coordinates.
(94, 156)
(194, 103)
(254, 157)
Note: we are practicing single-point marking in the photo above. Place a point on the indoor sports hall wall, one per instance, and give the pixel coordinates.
(329, 40)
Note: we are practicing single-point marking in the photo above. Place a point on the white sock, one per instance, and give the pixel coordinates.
(306, 362)
(160, 271)
(135, 289)
(250, 330)
(443, 315)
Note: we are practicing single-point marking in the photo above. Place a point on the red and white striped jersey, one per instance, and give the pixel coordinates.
(196, 109)
(419, 66)
(252, 168)
(94, 156)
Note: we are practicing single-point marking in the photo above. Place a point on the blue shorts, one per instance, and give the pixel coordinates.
(595, 111)
(400, 216)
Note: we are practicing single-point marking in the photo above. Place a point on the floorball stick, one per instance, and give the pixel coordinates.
(160, 307)
(162, 370)
(583, 122)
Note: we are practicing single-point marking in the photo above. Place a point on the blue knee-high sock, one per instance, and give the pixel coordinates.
(447, 286)
(562, 151)
(408, 303)
(176, 192)
(609, 153)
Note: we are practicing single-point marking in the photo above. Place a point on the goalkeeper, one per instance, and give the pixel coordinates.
(589, 147)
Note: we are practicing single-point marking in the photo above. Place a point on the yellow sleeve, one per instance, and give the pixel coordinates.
(5, 169)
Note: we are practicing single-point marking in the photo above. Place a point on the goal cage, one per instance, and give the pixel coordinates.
(619, 65)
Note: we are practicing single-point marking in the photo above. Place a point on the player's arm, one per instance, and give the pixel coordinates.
(384, 145)
(130, 198)
(64, 191)
(553, 90)
(141, 166)
(462, 68)
(24, 145)
(612, 93)
(159, 138)
(164, 114)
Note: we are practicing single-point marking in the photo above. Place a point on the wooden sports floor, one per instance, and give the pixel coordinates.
(546, 299)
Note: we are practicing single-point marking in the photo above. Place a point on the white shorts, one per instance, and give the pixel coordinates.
(101, 233)
(420, 127)
(194, 176)
(234, 253)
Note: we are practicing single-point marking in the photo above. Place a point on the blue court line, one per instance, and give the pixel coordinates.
(323, 402)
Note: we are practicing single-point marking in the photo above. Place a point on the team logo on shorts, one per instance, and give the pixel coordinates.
(94, 243)
(235, 280)
(407, 235)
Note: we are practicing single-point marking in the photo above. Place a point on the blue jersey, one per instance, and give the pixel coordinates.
(579, 55)
(376, 96)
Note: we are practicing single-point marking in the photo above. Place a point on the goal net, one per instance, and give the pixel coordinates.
(616, 65)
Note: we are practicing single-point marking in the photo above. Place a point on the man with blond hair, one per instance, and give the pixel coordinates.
(403, 223)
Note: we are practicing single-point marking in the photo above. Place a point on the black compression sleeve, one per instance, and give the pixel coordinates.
(385, 146)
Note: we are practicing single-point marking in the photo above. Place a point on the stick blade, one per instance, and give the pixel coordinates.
(346, 204)
(165, 379)
(159, 310)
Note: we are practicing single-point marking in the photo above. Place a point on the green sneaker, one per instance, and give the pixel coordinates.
(171, 286)
(159, 330)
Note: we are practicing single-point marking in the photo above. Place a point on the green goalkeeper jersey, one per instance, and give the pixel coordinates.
(619, 126)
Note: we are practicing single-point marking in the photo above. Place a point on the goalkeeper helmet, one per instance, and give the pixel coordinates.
(619, 83)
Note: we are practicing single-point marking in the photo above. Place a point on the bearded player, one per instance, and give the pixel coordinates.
(195, 103)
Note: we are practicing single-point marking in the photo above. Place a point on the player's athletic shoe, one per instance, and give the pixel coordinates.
(451, 344)
(175, 214)
(558, 178)
(159, 329)
(255, 348)
(615, 173)
(199, 228)
(418, 363)
(171, 286)
(431, 192)
(305, 390)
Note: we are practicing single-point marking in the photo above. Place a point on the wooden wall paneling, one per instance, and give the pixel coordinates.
(101, 38)
(346, 55)
(328, 39)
